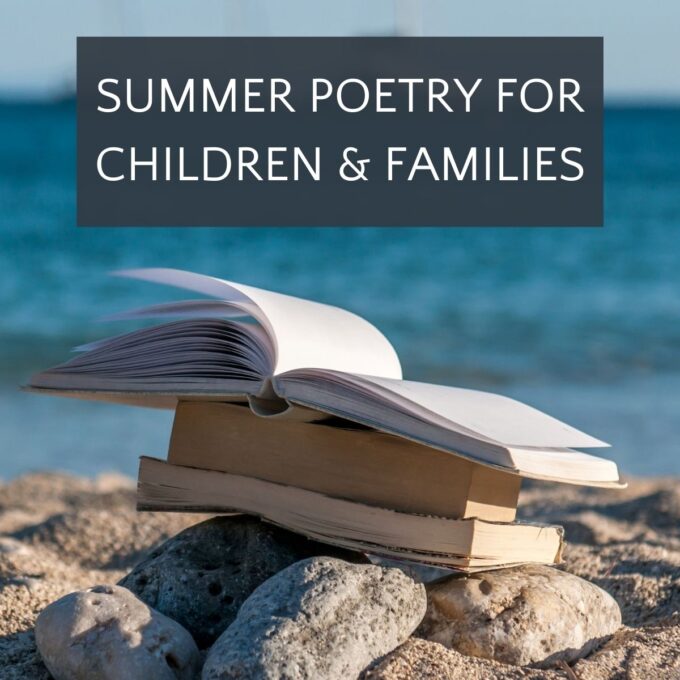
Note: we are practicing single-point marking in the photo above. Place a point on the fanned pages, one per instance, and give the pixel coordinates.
(278, 353)
(302, 333)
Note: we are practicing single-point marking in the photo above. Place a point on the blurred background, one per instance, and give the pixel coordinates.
(581, 323)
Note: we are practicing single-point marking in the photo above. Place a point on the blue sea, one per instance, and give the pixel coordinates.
(581, 323)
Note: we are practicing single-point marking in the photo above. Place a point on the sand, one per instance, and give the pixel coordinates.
(61, 533)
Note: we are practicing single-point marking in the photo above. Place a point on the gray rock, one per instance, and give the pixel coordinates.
(319, 618)
(106, 633)
(201, 576)
(524, 615)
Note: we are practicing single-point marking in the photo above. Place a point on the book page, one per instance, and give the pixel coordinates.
(188, 309)
(491, 416)
(305, 334)
(463, 422)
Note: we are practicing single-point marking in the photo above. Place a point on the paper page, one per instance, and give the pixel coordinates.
(567, 465)
(187, 309)
(492, 416)
(231, 341)
(305, 333)
(450, 419)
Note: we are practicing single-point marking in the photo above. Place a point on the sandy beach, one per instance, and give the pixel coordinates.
(61, 533)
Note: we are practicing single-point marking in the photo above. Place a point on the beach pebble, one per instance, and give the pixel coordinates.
(319, 618)
(106, 633)
(201, 577)
(523, 615)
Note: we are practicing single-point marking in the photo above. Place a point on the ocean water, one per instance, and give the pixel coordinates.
(582, 323)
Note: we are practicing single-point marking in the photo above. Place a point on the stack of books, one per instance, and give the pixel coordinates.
(297, 412)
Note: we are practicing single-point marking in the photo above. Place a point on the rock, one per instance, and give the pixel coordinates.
(106, 633)
(524, 615)
(203, 575)
(319, 618)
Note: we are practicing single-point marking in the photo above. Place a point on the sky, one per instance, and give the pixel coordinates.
(642, 45)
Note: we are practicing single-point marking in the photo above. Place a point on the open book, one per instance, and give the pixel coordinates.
(280, 353)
